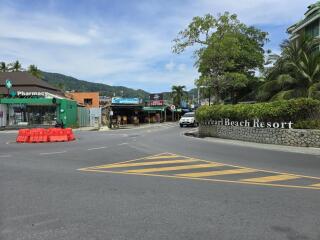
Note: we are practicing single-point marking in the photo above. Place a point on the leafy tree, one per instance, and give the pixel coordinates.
(178, 93)
(33, 69)
(295, 73)
(15, 66)
(3, 67)
(229, 52)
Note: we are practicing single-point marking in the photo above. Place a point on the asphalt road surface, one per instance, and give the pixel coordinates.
(155, 183)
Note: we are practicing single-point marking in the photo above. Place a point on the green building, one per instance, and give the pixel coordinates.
(309, 26)
(31, 102)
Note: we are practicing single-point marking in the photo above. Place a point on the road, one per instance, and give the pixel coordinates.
(155, 183)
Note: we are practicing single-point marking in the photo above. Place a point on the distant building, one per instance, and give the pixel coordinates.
(87, 99)
(309, 26)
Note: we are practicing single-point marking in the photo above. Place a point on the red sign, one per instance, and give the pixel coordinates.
(157, 103)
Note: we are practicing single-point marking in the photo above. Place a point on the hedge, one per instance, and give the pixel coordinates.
(303, 112)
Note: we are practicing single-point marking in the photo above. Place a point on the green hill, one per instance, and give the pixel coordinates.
(68, 83)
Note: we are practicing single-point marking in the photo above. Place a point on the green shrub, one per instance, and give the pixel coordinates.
(296, 110)
(307, 124)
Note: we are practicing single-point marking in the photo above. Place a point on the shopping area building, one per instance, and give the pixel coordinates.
(28, 101)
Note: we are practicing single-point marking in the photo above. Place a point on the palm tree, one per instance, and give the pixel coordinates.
(15, 66)
(3, 67)
(178, 93)
(295, 73)
(34, 71)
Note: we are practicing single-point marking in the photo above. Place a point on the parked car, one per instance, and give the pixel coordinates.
(188, 119)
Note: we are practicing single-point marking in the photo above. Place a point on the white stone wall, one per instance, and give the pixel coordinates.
(289, 137)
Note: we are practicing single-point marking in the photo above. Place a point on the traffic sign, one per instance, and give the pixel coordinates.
(172, 107)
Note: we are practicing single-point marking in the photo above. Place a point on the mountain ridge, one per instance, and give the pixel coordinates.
(69, 83)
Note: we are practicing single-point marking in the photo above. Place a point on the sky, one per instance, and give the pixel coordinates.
(125, 42)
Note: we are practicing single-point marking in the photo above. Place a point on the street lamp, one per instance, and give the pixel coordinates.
(199, 94)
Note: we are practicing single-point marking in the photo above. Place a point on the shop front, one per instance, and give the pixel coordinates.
(19, 112)
(28, 101)
(126, 111)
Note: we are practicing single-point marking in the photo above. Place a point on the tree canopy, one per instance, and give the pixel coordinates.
(227, 53)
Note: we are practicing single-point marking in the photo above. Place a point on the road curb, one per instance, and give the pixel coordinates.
(302, 150)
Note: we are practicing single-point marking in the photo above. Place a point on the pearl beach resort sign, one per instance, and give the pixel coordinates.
(256, 123)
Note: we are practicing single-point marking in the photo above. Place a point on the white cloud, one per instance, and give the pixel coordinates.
(120, 51)
(274, 12)
(42, 28)
(170, 66)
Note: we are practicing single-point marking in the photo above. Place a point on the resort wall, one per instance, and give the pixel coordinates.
(289, 137)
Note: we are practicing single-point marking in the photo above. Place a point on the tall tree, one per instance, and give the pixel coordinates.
(15, 66)
(33, 69)
(295, 73)
(228, 52)
(3, 67)
(178, 94)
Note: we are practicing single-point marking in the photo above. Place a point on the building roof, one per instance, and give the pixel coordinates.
(24, 81)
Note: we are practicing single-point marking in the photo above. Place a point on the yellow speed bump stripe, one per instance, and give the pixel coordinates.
(165, 165)
(315, 185)
(125, 165)
(268, 179)
(167, 169)
(163, 157)
(217, 173)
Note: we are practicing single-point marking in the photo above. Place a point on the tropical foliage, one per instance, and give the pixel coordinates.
(229, 53)
(301, 112)
(295, 73)
(15, 66)
(178, 94)
(34, 71)
(3, 67)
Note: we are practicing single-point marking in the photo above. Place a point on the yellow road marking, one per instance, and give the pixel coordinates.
(162, 157)
(217, 173)
(260, 170)
(165, 169)
(145, 163)
(281, 177)
(203, 179)
(184, 159)
(316, 185)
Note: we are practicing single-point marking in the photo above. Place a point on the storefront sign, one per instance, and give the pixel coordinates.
(250, 123)
(25, 94)
(156, 96)
(117, 100)
(157, 103)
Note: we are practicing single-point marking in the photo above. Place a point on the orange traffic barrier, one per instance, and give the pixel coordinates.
(39, 135)
(70, 134)
(23, 136)
(57, 135)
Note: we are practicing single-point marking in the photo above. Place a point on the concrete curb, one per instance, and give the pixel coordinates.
(273, 147)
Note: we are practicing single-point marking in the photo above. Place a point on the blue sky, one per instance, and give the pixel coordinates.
(124, 42)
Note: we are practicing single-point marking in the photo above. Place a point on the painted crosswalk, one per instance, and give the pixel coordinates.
(182, 167)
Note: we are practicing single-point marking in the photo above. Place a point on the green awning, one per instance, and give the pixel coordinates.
(154, 109)
(30, 101)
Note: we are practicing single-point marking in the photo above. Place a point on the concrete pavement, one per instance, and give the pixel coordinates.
(45, 196)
